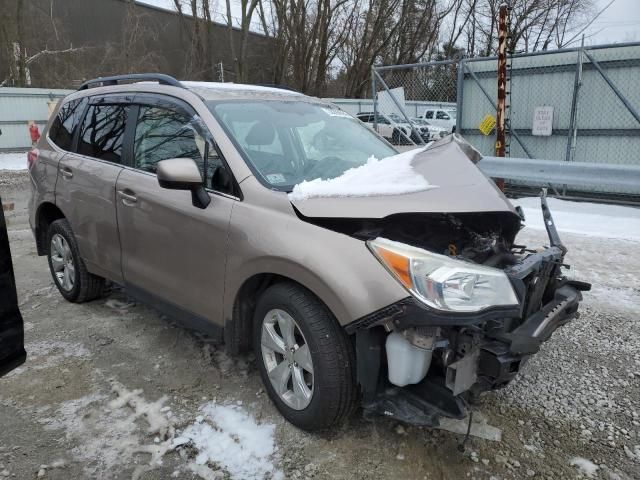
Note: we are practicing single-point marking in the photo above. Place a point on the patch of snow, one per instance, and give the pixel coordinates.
(586, 466)
(108, 436)
(13, 161)
(593, 219)
(49, 353)
(227, 436)
(390, 176)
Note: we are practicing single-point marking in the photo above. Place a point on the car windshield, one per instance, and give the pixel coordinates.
(286, 143)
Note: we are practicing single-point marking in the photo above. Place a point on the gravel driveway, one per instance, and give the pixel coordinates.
(113, 389)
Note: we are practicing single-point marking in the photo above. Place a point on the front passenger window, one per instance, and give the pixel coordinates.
(163, 133)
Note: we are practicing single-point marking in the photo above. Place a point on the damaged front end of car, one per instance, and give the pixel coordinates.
(478, 305)
(478, 310)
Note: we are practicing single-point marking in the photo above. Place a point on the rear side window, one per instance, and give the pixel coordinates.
(442, 115)
(65, 123)
(429, 114)
(102, 132)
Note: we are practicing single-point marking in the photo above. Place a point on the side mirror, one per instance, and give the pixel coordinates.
(183, 174)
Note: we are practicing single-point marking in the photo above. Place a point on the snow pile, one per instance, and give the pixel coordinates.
(593, 219)
(389, 176)
(13, 161)
(227, 436)
(586, 466)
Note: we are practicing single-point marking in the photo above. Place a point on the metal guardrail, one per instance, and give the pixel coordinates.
(624, 179)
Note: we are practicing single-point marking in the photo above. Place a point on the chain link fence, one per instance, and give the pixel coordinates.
(574, 105)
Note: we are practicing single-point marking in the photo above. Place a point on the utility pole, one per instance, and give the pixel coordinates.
(501, 137)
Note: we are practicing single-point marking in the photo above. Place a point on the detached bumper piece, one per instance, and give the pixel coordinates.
(422, 404)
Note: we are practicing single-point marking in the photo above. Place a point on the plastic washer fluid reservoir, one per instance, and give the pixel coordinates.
(407, 364)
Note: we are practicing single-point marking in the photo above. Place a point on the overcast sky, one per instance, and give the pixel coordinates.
(619, 23)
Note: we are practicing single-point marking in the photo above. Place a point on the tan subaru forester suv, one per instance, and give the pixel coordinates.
(277, 222)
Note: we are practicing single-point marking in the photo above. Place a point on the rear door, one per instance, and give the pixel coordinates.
(172, 251)
(85, 189)
(12, 352)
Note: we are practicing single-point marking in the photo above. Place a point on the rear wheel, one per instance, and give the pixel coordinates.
(68, 270)
(305, 359)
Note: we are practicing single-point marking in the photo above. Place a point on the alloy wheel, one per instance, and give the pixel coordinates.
(287, 358)
(62, 262)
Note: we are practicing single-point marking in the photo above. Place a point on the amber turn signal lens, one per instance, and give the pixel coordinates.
(398, 264)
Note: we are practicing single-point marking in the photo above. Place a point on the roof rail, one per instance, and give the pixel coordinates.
(161, 78)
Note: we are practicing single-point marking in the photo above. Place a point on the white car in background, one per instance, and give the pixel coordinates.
(391, 126)
(434, 132)
(441, 117)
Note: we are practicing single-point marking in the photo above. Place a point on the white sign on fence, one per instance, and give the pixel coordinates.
(386, 103)
(542, 121)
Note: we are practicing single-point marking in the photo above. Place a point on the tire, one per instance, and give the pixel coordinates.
(332, 383)
(75, 284)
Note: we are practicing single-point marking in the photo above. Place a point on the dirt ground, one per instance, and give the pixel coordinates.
(101, 375)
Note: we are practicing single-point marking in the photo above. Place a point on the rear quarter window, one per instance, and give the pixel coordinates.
(66, 122)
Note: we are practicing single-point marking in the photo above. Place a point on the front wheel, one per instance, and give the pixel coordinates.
(305, 359)
(68, 270)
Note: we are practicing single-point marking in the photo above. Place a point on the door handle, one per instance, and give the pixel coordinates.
(127, 196)
(66, 172)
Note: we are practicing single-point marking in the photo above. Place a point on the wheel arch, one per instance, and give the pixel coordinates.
(241, 307)
(46, 214)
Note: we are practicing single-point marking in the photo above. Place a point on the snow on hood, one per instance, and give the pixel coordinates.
(390, 176)
(448, 164)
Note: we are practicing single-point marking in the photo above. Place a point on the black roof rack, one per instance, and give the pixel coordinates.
(161, 78)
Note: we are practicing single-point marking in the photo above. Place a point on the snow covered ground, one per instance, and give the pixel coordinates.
(593, 219)
(13, 161)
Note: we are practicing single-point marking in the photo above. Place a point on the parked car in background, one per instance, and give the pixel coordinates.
(402, 297)
(441, 117)
(395, 128)
(434, 132)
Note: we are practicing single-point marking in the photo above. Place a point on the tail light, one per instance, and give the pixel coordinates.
(32, 157)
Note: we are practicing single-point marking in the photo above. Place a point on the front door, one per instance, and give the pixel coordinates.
(171, 250)
(85, 190)
(12, 352)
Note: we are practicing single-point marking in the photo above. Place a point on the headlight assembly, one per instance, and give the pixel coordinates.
(442, 282)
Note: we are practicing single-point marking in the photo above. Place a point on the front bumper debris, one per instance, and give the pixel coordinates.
(474, 353)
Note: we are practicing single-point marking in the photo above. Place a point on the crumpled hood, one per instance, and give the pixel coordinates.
(448, 164)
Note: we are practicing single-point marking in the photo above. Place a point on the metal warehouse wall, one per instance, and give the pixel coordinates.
(18, 106)
(605, 129)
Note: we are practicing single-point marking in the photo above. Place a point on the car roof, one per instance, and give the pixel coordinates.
(206, 90)
(219, 90)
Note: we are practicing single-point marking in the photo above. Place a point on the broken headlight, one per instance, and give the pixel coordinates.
(442, 282)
